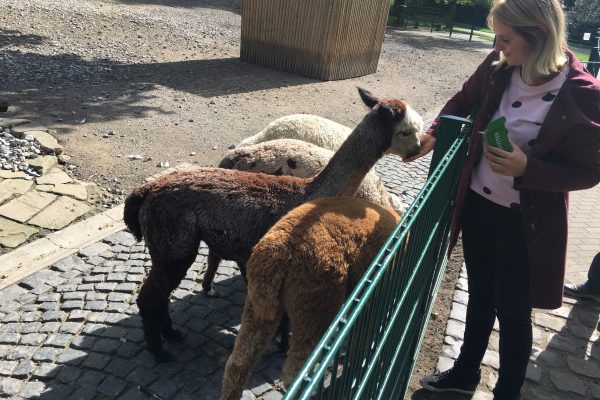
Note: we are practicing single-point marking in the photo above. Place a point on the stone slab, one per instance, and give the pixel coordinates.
(13, 233)
(86, 232)
(11, 122)
(43, 164)
(60, 213)
(534, 373)
(31, 126)
(47, 142)
(37, 199)
(5, 195)
(41, 253)
(584, 367)
(6, 174)
(116, 213)
(18, 211)
(567, 383)
(18, 186)
(72, 190)
(26, 206)
(549, 321)
(27, 259)
(54, 177)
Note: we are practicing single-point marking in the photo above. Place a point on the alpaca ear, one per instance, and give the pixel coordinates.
(367, 98)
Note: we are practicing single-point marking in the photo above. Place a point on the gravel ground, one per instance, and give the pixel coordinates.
(162, 80)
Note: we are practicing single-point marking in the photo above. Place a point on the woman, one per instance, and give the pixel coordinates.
(512, 206)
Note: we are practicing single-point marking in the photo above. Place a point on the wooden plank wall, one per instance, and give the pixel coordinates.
(324, 39)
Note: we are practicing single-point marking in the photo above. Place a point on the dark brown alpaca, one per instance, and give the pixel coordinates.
(230, 210)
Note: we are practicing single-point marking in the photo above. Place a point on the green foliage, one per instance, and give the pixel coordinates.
(585, 14)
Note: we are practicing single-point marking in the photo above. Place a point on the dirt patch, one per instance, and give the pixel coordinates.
(433, 339)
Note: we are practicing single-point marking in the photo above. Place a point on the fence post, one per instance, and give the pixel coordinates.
(398, 11)
(448, 131)
(473, 23)
(452, 16)
(594, 59)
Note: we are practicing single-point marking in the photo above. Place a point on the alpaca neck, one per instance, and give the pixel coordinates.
(347, 168)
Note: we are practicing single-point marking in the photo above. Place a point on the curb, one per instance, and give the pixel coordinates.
(41, 253)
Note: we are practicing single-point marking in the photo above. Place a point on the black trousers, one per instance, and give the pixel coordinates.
(498, 276)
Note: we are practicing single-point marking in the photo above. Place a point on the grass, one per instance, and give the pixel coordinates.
(582, 56)
(479, 33)
(486, 34)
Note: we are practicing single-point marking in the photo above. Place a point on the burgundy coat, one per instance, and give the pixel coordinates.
(566, 157)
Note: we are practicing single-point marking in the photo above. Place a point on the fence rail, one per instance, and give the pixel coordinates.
(370, 349)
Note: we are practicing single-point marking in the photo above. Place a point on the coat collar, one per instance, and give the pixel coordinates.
(562, 112)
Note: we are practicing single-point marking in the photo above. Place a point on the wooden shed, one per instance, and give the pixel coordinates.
(324, 39)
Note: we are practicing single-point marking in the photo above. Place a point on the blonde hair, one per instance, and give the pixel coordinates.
(542, 24)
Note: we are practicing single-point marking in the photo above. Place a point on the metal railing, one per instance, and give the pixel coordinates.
(371, 347)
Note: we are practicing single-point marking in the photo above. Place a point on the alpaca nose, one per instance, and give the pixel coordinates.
(413, 151)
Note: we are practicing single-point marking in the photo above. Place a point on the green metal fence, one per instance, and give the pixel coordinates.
(369, 350)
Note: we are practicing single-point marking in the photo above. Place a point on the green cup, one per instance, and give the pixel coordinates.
(496, 135)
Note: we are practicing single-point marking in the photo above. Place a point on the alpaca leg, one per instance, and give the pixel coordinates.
(178, 271)
(209, 275)
(242, 267)
(254, 336)
(310, 318)
(151, 301)
(283, 332)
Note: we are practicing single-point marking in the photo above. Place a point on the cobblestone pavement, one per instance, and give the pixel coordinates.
(72, 330)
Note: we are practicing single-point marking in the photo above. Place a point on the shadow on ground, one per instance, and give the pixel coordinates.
(226, 5)
(108, 90)
(576, 349)
(427, 41)
(15, 38)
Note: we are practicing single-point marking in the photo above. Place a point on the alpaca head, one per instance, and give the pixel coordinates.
(406, 123)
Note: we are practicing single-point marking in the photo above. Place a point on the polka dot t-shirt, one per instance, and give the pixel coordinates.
(525, 108)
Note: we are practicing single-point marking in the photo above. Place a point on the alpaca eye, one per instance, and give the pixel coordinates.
(403, 133)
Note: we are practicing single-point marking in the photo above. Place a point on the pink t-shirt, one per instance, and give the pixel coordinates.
(525, 108)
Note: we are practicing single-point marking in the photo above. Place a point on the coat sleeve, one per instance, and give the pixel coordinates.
(471, 95)
(579, 168)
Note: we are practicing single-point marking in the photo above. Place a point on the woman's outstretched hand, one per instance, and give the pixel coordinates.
(507, 163)
(427, 143)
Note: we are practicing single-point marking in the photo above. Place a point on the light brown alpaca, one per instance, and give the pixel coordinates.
(230, 210)
(305, 265)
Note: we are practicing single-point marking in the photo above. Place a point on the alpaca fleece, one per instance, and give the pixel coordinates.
(305, 266)
(302, 159)
(230, 210)
(309, 128)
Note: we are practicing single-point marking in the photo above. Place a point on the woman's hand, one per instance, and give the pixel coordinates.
(507, 163)
(427, 143)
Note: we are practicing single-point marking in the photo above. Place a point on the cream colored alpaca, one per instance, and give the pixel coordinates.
(323, 132)
(304, 160)
(305, 265)
(313, 129)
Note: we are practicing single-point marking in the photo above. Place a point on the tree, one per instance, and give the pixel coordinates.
(584, 14)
